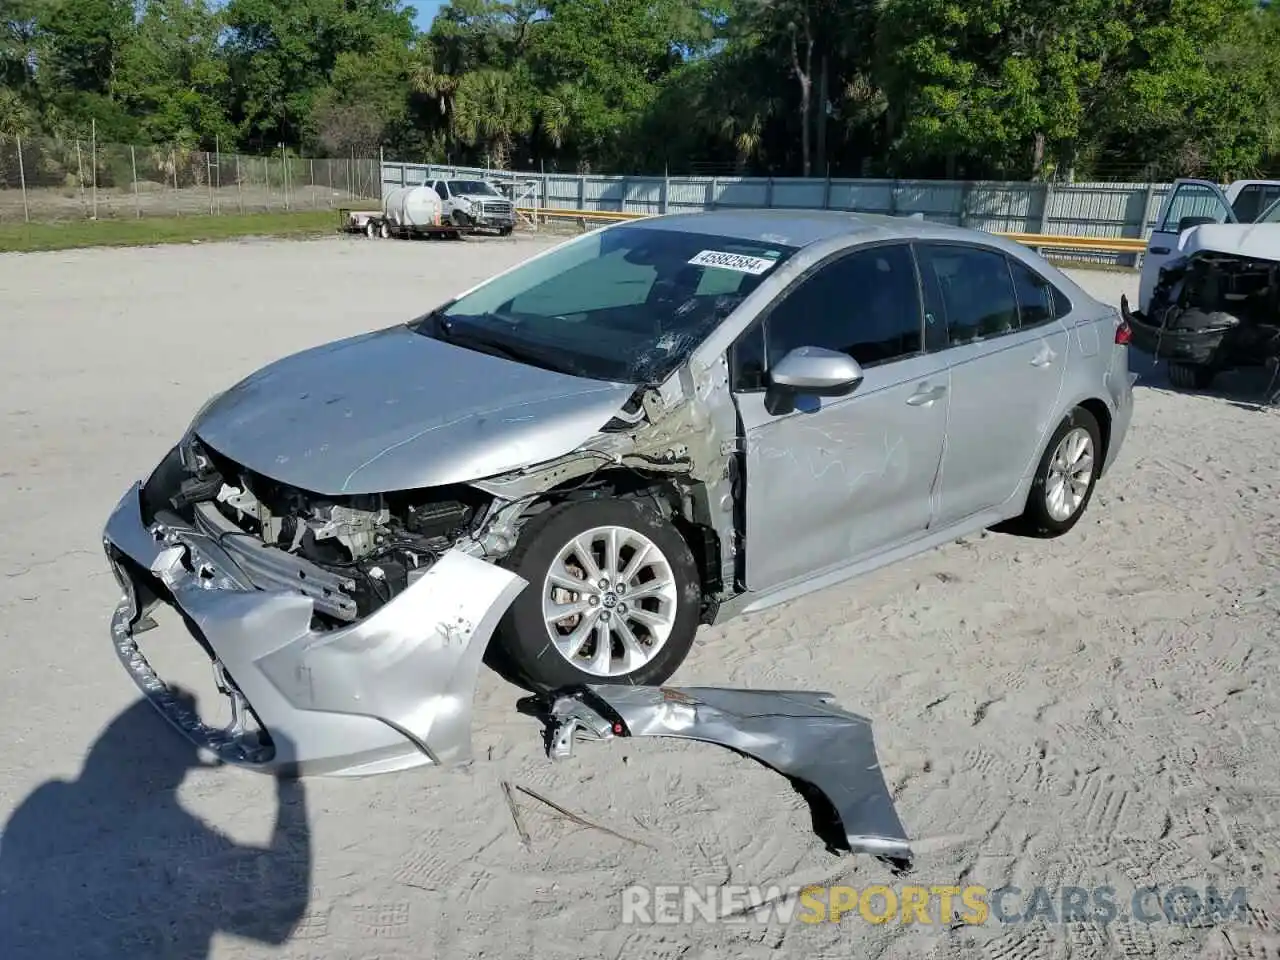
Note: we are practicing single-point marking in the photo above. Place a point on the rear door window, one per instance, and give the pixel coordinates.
(976, 290)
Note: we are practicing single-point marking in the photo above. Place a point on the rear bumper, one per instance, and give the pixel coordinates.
(389, 692)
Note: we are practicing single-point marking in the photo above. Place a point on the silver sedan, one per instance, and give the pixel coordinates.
(651, 427)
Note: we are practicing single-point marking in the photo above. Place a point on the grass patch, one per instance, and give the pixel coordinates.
(73, 234)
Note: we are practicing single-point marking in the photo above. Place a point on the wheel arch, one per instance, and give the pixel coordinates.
(681, 501)
(1102, 414)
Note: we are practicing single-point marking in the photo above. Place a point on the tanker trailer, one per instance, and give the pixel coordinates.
(407, 212)
(413, 211)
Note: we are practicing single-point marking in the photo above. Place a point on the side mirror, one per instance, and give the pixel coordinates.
(1186, 223)
(816, 371)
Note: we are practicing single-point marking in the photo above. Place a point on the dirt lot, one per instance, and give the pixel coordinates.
(1097, 710)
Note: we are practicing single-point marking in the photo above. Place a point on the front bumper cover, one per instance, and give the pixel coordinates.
(387, 693)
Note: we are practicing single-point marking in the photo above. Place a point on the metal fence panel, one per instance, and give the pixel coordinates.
(51, 180)
(1080, 209)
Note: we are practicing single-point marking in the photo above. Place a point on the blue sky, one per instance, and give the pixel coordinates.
(426, 10)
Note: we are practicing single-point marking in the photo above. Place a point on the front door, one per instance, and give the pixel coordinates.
(1187, 198)
(1007, 357)
(831, 480)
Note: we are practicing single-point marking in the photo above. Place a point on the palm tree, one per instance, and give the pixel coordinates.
(492, 108)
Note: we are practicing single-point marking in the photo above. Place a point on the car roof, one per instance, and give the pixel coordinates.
(802, 228)
(806, 228)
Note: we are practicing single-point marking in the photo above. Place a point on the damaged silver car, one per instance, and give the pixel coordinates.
(651, 427)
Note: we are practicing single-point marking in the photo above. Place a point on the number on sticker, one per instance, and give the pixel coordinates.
(732, 261)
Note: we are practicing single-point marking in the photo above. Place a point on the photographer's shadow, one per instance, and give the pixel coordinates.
(110, 865)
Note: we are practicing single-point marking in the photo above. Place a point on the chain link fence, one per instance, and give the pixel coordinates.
(47, 180)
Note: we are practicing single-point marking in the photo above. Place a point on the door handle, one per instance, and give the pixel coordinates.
(1159, 250)
(925, 396)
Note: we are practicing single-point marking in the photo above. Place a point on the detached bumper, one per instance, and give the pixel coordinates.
(387, 693)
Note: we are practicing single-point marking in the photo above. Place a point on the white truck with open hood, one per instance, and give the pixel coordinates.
(1209, 294)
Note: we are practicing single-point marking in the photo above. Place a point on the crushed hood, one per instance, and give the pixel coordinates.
(395, 410)
(1256, 241)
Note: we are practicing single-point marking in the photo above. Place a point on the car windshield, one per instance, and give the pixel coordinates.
(1270, 215)
(464, 187)
(626, 304)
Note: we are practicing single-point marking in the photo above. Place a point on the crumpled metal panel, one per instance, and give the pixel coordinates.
(389, 692)
(799, 734)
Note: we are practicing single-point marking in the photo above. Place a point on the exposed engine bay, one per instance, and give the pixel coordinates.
(1210, 290)
(1212, 311)
(351, 555)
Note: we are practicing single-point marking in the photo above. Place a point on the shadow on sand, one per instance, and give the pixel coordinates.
(1250, 388)
(110, 865)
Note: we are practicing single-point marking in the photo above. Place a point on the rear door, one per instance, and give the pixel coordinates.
(1186, 199)
(1007, 358)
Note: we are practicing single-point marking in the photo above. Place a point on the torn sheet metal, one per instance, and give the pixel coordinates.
(801, 735)
(386, 693)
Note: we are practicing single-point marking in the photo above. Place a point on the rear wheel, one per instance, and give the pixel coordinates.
(613, 597)
(1065, 477)
(385, 230)
(1190, 376)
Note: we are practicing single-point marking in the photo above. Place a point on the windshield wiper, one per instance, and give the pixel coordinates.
(447, 330)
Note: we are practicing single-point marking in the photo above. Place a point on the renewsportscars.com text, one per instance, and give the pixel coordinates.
(931, 905)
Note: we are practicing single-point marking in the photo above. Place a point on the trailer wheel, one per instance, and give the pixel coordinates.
(370, 229)
(385, 230)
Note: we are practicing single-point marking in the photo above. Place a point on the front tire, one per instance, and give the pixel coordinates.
(1065, 478)
(613, 597)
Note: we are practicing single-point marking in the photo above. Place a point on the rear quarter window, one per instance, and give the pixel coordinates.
(1039, 301)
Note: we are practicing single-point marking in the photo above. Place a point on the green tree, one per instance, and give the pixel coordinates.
(282, 54)
(82, 42)
(172, 75)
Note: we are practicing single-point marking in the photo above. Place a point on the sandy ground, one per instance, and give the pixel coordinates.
(1099, 709)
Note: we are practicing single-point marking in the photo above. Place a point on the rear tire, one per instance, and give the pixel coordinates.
(1190, 376)
(631, 610)
(1062, 488)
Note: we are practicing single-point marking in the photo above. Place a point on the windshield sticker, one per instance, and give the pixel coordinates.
(732, 261)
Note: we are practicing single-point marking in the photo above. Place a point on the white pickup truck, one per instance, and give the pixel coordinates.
(1209, 292)
(475, 203)
(1193, 203)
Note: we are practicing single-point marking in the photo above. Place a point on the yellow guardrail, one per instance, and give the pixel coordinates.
(1046, 241)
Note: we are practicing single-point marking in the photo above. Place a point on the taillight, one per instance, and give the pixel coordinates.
(1124, 332)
